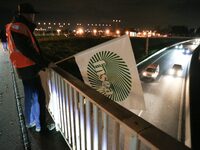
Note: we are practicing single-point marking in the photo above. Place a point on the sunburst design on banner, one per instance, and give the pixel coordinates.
(108, 73)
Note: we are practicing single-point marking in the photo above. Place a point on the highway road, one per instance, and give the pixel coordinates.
(164, 95)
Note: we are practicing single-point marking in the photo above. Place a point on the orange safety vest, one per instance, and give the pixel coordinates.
(16, 57)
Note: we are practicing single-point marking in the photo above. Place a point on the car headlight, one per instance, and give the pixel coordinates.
(180, 46)
(144, 74)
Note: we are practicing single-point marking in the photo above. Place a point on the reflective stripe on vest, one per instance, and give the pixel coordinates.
(16, 57)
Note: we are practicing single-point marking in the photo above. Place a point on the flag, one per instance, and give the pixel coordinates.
(110, 68)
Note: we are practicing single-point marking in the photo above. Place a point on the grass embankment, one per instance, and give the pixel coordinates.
(56, 48)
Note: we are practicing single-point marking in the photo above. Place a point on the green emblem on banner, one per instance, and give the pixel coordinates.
(109, 74)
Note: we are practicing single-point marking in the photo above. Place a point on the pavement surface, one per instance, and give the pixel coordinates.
(11, 137)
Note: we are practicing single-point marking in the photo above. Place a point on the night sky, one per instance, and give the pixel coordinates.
(133, 13)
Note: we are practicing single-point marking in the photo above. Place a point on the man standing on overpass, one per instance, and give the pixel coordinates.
(26, 57)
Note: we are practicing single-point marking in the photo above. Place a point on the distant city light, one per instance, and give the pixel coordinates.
(117, 20)
(132, 34)
(144, 33)
(95, 31)
(80, 31)
(127, 32)
(107, 31)
(99, 28)
(117, 32)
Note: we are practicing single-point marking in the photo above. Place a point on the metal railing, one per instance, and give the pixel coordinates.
(90, 121)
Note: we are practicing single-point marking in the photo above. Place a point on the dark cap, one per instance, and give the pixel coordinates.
(26, 8)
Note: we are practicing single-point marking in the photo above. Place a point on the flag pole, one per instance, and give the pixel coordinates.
(64, 59)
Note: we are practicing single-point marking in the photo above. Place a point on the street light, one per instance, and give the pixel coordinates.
(58, 31)
(80, 31)
(94, 31)
(117, 32)
(127, 32)
(107, 31)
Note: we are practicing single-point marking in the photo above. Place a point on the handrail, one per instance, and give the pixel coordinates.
(78, 107)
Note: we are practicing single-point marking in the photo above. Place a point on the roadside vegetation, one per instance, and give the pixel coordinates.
(57, 48)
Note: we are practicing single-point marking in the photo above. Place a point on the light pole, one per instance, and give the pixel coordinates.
(147, 45)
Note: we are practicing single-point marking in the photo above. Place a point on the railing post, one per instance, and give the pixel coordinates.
(56, 100)
(116, 131)
(66, 134)
(77, 123)
(68, 114)
(82, 122)
(71, 107)
(95, 128)
(130, 140)
(88, 126)
(105, 132)
(60, 102)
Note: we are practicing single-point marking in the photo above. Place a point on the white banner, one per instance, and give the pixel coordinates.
(110, 68)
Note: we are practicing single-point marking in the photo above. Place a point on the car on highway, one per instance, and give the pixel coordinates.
(151, 71)
(180, 46)
(176, 70)
(187, 51)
